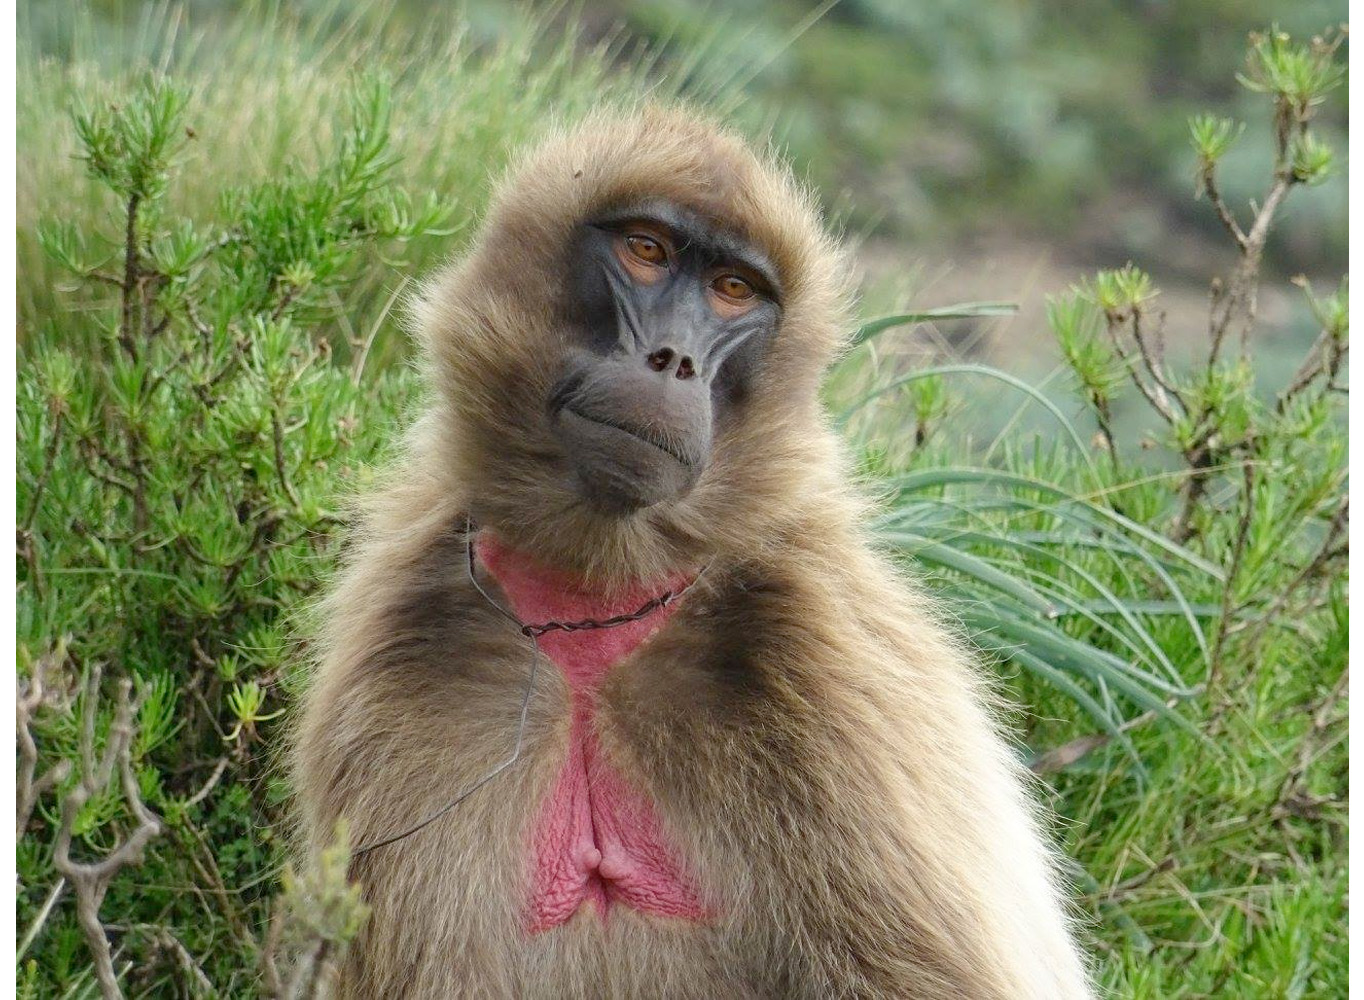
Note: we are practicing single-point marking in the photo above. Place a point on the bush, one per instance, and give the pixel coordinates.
(178, 483)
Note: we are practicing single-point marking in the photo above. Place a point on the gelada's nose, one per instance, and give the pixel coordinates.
(665, 359)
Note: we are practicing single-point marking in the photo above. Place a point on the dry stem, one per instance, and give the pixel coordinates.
(36, 692)
(91, 880)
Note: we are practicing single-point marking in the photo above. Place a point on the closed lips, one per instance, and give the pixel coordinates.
(640, 435)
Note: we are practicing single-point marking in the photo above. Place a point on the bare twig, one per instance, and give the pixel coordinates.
(161, 937)
(269, 960)
(212, 875)
(1103, 415)
(100, 276)
(1202, 459)
(1217, 291)
(1223, 212)
(112, 480)
(1328, 551)
(1224, 619)
(39, 921)
(1238, 301)
(36, 692)
(26, 548)
(1325, 357)
(1152, 352)
(96, 451)
(91, 880)
(1291, 789)
(208, 785)
(54, 442)
(148, 288)
(192, 314)
(285, 301)
(357, 370)
(1154, 394)
(1234, 305)
(1062, 757)
(1312, 366)
(1245, 279)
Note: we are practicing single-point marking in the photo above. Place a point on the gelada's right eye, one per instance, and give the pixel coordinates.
(647, 249)
(733, 287)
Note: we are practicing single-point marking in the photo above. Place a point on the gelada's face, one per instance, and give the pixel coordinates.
(671, 317)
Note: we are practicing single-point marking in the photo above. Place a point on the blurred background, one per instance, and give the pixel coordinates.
(991, 150)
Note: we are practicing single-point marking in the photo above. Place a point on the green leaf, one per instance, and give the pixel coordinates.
(964, 310)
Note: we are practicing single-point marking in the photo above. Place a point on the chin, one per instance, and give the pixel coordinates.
(620, 472)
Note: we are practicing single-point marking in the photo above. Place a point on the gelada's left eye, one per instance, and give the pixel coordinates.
(647, 249)
(731, 286)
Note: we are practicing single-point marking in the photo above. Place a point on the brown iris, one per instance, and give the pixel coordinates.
(647, 249)
(733, 287)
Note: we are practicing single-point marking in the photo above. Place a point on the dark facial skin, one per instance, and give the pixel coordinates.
(671, 317)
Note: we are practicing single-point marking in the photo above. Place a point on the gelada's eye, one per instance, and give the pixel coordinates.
(647, 249)
(731, 286)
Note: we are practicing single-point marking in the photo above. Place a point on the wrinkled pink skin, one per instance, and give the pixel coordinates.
(598, 840)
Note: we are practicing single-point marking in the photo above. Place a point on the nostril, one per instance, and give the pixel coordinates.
(660, 359)
(685, 370)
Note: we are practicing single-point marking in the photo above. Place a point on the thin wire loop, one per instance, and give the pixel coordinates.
(531, 632)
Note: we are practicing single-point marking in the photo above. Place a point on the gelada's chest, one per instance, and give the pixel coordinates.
(598, 842)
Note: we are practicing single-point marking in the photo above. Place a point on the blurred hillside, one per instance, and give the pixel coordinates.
(951, 121)
(990, 150)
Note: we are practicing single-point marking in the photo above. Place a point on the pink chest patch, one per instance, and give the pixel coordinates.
(598, 839)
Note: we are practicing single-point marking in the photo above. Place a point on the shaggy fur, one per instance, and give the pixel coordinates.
(816, 746)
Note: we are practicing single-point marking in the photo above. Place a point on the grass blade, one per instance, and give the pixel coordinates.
(988, 372)
(962, 310)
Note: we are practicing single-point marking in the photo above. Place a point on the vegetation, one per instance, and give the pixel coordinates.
(208, 365)
(1208, 558)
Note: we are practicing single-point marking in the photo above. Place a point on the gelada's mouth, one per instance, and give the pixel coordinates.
(652, 440)
(621, 469)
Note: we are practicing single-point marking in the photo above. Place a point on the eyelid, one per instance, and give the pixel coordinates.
(637, 232)
(727, 276)
(646, 230)
(646, 237)
(758, 288)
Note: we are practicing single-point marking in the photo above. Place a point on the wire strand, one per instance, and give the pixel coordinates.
(531, 632)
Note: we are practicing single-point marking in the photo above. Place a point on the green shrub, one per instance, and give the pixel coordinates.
(178, 486)
(269, 87)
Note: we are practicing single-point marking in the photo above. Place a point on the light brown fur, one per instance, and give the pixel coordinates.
(816, 745)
